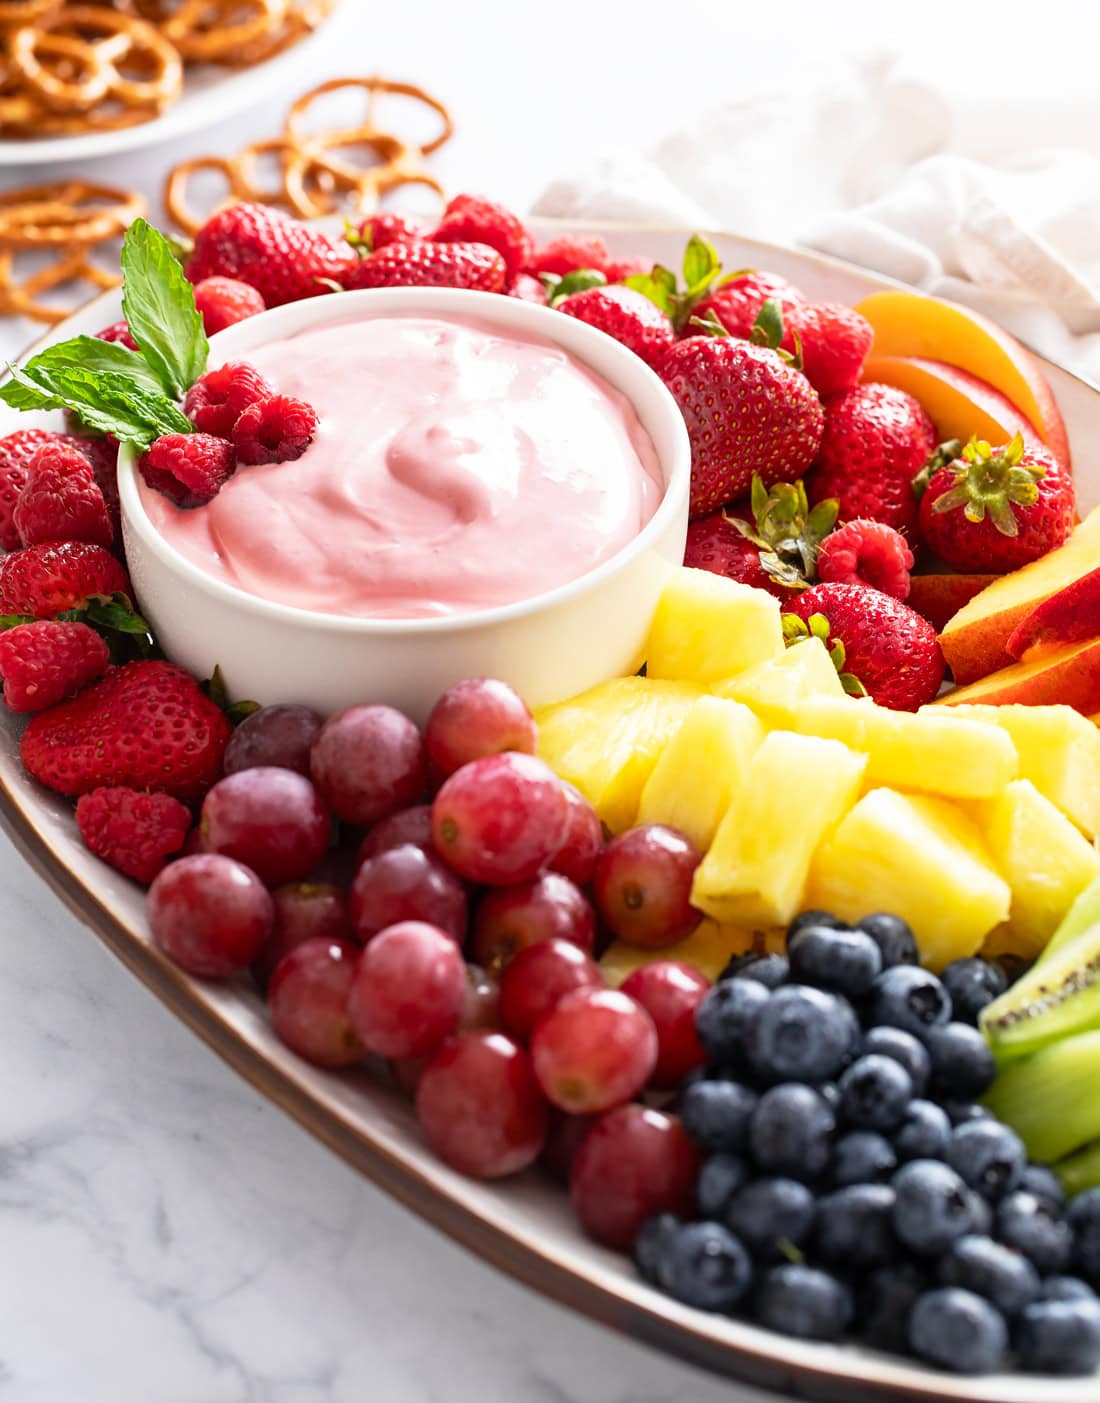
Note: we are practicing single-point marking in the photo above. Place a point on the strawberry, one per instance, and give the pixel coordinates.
(619, 269)
(223, 302)
(470, 219)
(626, 315)
(880, 646)
(147, 725)
(991, 510)
(61, 500)
(425, 264)
(747, 411)
(16, 451)
(569, 252)
(385, 227)
(44, 662)
(775, 548)
(737, 300)
(283, 259)
(134, 832)
(875, 441)
(120, 332)
(50, 579)
(866, 553)
(528, 289)
(834, 341)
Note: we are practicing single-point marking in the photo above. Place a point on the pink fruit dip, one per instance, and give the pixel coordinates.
(457, 467)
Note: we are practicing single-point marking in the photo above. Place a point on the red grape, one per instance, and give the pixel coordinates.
(583, 839)
(632, 1164)
(480, 1106)
(595, 1049)
(642, 885)
(274, 735)
(409, 990)
(670, 991)
(303, 911)
(405, 826)
(474, 718)
(563, 1140)
(549, 907)
(500, 819)
(308, 998)
(367, 762)
(407, 884)
(270, 819)
(209, 914)
(538, 978)
(481, 1006)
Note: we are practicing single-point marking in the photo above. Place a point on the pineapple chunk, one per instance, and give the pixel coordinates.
(708, 627)
(920, 857)
(709, 948)
(701, 769)
(795, 790)
(1059, 752)
(777, 689)
(607, 740)
(930, 751)
(1043, 858)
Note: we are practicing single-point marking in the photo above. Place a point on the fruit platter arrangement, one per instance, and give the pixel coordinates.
(773, 941)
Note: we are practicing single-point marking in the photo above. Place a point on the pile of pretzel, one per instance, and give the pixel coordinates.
(68, 69)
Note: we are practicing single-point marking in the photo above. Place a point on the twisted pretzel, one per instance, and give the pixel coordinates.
(203, 30)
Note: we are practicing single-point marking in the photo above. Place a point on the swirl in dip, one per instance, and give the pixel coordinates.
(457, 467)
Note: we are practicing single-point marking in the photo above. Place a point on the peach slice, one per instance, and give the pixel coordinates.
(912, 324)
(958, 403)
(975, 641)
(1069, 675)
(939, 598)
(1070, 616)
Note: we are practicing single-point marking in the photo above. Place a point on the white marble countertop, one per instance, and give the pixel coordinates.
(167, 1236)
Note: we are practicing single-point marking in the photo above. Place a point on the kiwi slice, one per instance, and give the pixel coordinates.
(1056, 998)
(1050, 1098)
(1080, 1171)
(1081, 916)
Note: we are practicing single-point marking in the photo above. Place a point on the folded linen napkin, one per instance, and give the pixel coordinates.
(986, 199)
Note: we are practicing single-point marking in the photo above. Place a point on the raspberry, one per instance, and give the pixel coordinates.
(120, 332)
(527, 289)
(835, 340)
(866, 553)
(45, 662)
(217, 399)
(224, 301)
(388, 227)
(102, 453)
(16, 452)
(191, 469)
(274, 430)
(567, 254)
(60, 500)
(134, 832)
(472, 219)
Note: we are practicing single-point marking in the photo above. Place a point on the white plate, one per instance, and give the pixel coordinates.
(524, 1226)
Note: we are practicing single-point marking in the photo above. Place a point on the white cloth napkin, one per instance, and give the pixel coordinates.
(989, 199)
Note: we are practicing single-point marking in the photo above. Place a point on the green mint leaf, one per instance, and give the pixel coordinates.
(159, 304)
(701, 265)
(89, 353)
(104, 400)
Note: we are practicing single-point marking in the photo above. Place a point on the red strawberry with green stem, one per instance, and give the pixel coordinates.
(619, 312)
(702, 277)
(472, 219)
(736, 301)
(282, 258)
(427, 264)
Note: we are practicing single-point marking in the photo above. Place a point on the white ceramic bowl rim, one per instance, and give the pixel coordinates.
(507, 312)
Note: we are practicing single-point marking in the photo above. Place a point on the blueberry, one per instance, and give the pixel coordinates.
(874, 1092)
(846, 961)
(802, 1034)
(830, 1094)
(1084, 1222)
(1066, 1288)
(885, 1302)
(981, 1215)
(854, 1227)
(1041, 1180)
(932, 1209)
(962, 1061)
(704, 1265)
(1059, 1337)
(910, 998)
(769, 970)
(770, 1212)
(826, 919)
(863, 1157)
(894, 938)
(792, 1132)
(903, 1047)
(958, 1331)
(959, 1112)
(924, 1132)
(651, 1242)
(719, 1179)
(992, 1270)
(726, 1018)
(988, 1156)
(716, 1114)
(804, 1302)
(972, 984)
(1032, 1226)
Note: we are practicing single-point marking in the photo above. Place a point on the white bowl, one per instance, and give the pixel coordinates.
(548, 647)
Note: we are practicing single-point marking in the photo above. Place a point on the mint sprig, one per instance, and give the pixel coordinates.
(159, 304)
(82, 353)
(104, 400)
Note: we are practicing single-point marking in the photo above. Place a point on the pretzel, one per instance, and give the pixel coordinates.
(206, 31)
(24, 11)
